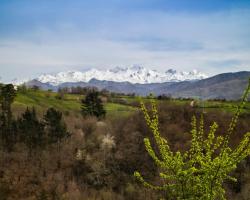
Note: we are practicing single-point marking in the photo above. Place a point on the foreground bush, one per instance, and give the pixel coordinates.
(198, 173)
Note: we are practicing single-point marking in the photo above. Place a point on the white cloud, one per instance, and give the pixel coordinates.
(207, 42)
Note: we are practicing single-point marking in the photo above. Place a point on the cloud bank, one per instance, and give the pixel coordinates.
(51, 37)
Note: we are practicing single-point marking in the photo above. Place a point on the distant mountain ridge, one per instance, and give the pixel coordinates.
(222, 86)
(135, 74)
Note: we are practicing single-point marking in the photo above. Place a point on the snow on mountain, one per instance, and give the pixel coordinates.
(17, 82)
(135, 74)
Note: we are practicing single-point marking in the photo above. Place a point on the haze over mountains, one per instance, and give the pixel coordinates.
(142, 81)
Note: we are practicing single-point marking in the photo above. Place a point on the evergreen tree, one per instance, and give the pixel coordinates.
(55, 126)
(92, 105)
(7, 124)
(31, 130)
(7, 93)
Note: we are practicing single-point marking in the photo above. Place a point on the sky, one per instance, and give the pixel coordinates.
(48, 36)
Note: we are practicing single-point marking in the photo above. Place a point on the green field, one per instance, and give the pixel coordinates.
(71, 103)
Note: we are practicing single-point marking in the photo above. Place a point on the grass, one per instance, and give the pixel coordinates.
(42, 100)
(71, 103)
(116, 110)
(224, 106)
(227, 106)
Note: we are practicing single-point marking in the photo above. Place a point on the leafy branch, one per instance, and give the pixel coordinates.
(198, 173)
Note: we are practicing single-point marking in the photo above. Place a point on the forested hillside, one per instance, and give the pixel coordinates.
(50, 150)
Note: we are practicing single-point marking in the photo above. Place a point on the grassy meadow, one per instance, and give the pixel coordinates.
(120, 105)
(69, 103)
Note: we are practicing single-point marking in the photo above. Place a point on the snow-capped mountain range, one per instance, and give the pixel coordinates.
(135, 74)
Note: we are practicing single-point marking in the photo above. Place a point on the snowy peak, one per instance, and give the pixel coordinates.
(61, 77)
(134, 74)
(184, 76)
(171, 71)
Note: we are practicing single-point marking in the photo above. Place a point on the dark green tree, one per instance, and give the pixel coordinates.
(7, 96)
(7, 124)
(31, 130)
(55, 126)
(92, 105)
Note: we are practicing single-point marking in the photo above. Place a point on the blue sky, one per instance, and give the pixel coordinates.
(55, 35)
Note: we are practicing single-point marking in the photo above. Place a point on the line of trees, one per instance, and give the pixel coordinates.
(35, 132)
(28, 128)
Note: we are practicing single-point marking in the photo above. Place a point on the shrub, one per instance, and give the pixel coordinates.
(198, 173)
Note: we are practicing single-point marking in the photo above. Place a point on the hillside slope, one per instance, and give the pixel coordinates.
(223, 86)
(69, 104)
